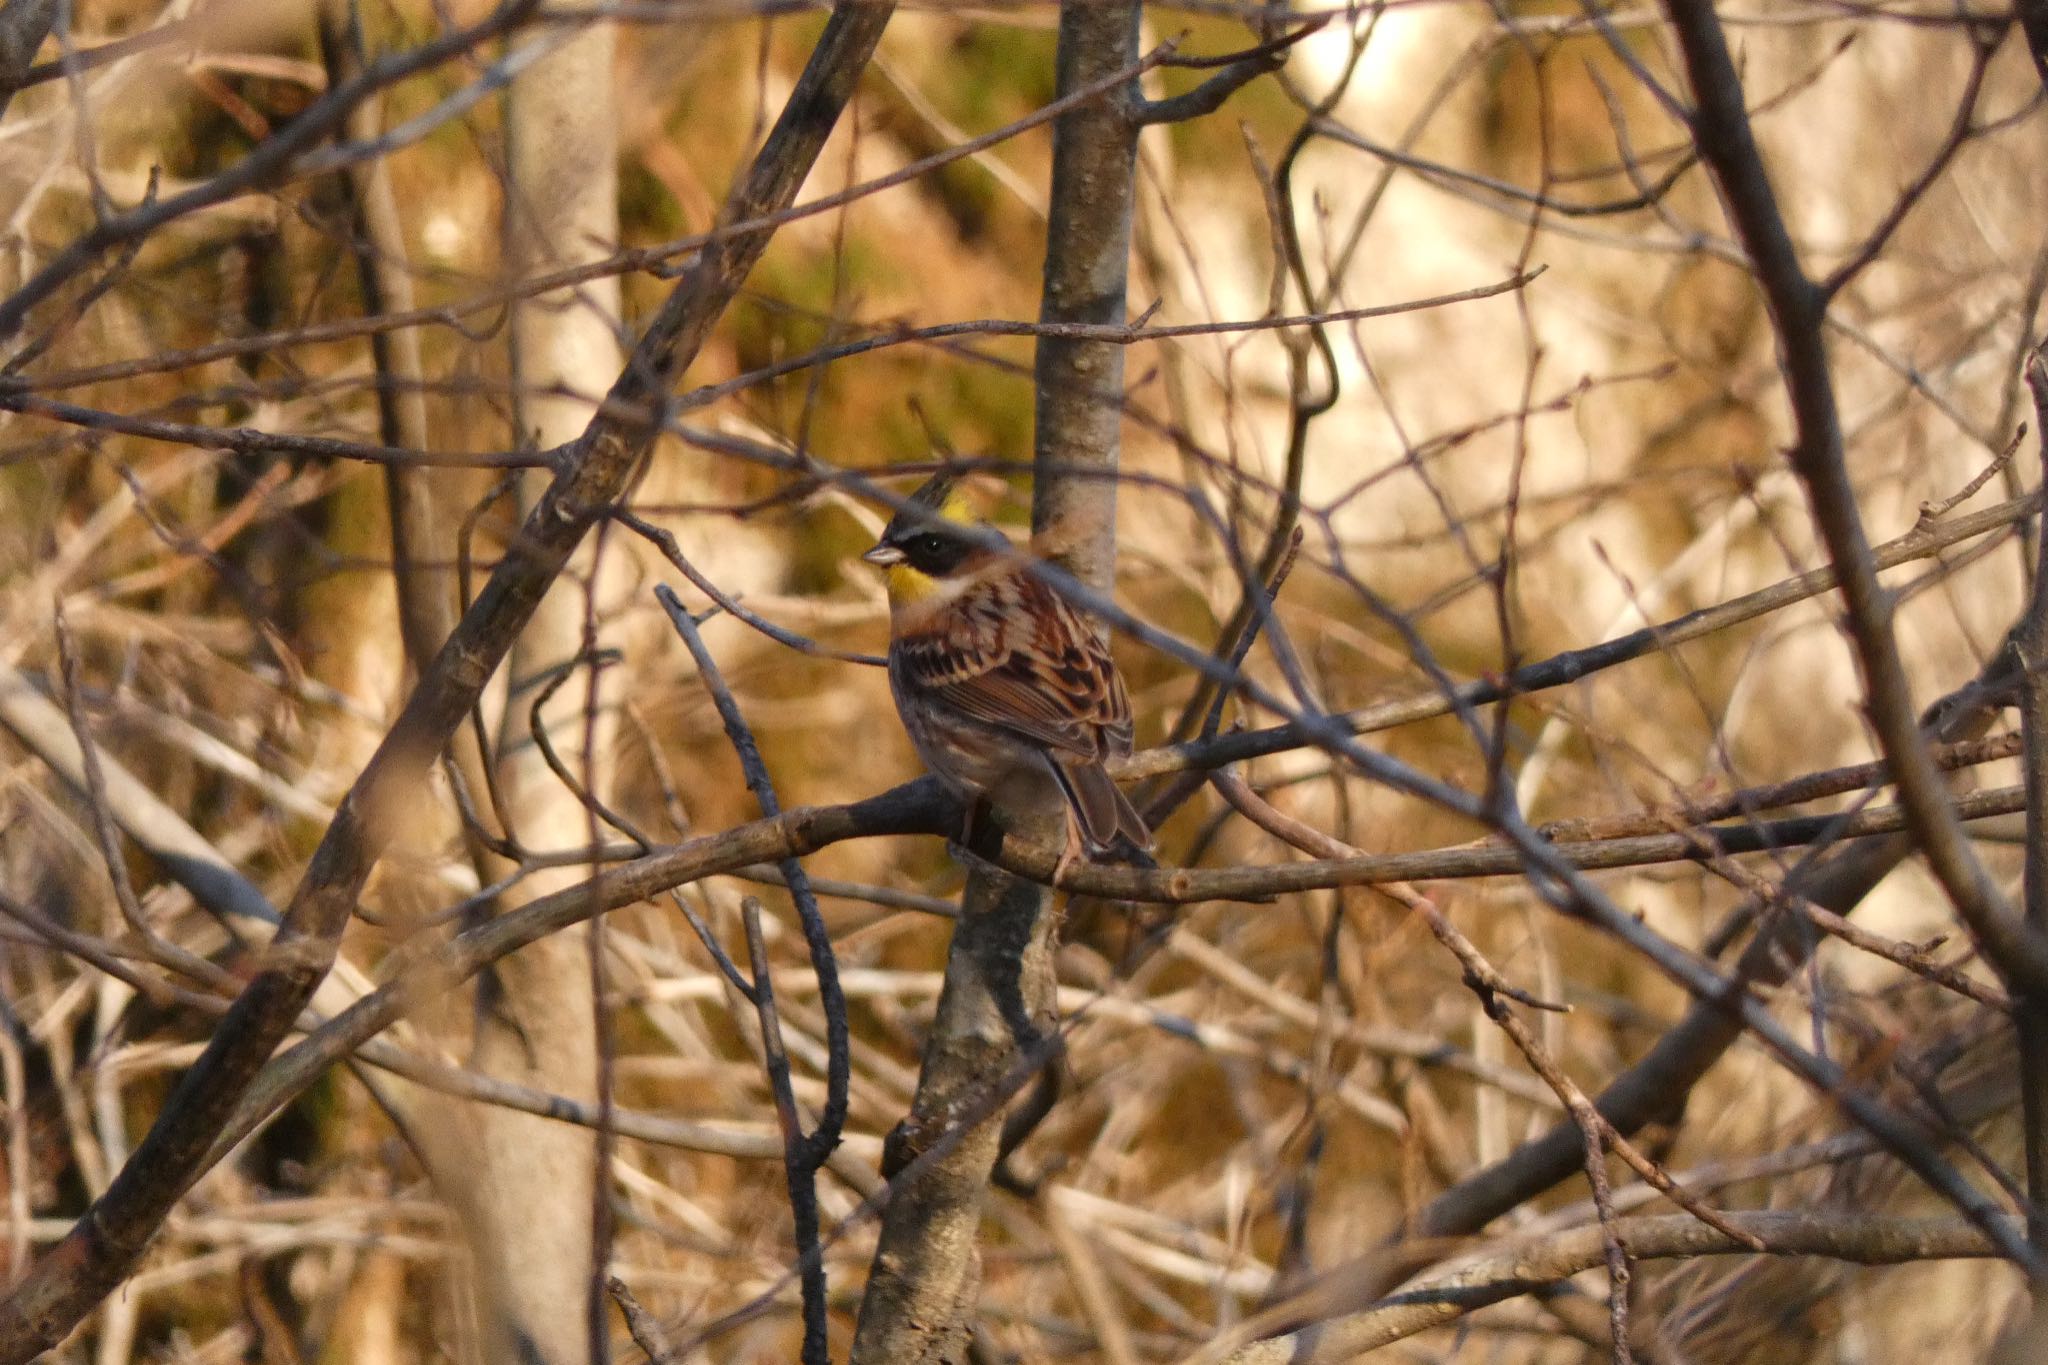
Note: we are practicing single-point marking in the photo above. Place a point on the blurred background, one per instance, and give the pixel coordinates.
(1253, 1093)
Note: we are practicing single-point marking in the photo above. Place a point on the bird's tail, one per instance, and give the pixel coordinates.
(1110, 825)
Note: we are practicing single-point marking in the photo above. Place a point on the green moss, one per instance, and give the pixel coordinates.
(1001, 74)
(647, 211)
(797, 294)
(999, 403)
(825, 539)
(971, 196)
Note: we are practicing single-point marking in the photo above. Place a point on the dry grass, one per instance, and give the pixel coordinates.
(1250, 1094)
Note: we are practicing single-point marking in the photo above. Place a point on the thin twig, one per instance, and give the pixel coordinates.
(665, 541)
(1677, 1061)
(806, 1151)
(645, 1328)
(2030, 643)
(832, 1118)
(798, 1167)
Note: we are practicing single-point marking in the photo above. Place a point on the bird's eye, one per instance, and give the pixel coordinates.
(927, 545)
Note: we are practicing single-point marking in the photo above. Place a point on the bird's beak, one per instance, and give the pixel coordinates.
(884, 556)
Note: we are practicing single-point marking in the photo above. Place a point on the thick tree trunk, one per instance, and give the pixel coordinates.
(525, 1186)
(996, 1016)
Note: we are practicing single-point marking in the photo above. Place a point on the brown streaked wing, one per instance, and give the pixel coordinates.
(1014, 654)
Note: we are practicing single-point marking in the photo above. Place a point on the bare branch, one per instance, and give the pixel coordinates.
(1798, 310)
(806, 1152)
(1234, 74)
(274, 158)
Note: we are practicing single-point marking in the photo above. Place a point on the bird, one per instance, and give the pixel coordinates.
(998, 678)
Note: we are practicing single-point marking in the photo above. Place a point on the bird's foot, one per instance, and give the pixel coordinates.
(1072, 854)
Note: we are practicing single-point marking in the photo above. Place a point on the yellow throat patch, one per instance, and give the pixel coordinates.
(907, 585)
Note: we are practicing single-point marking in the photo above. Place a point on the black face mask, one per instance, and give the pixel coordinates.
(933, 552)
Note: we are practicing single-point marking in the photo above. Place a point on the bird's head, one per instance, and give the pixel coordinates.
(937, 540)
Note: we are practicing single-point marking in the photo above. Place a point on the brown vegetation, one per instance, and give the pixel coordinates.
(1581, 448)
